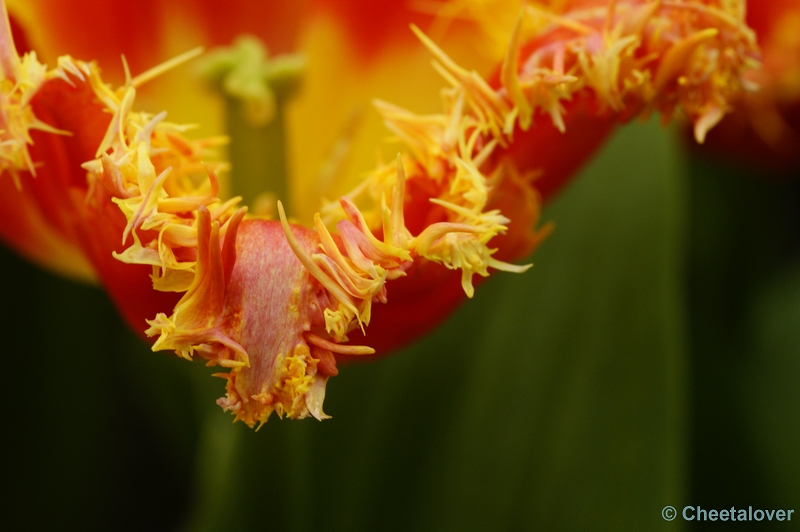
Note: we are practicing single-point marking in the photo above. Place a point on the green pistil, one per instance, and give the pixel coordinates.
(256, 89)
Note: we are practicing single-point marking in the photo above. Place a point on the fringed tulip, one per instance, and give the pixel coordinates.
(138, 204)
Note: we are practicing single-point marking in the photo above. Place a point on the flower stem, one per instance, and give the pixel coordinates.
(214, 484)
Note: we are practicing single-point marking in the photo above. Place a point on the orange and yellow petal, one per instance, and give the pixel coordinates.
(274, 302)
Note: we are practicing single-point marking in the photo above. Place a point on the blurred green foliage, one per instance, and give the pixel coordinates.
(649, 358)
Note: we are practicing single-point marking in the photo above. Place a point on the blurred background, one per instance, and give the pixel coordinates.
(651, 357)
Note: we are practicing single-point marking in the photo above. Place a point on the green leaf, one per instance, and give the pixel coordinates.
(769, 388)
(744, 294)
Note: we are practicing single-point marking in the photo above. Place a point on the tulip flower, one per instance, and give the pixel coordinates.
(102, 190)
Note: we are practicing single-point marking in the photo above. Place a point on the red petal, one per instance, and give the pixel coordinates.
(60, 189)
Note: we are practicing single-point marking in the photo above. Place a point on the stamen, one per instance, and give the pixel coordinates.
(313, 339)
(127, 70)
(164, 67)
(397, 229)
(511, 79)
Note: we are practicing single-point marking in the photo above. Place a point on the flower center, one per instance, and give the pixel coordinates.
(256, 89)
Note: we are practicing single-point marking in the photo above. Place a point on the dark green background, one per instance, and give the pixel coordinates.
(650, 358)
